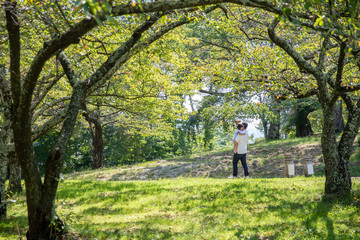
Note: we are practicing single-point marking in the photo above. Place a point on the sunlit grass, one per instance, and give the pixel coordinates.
(288, 142)
(199, 208)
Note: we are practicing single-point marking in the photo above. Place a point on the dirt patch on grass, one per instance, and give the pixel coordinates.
(262, 161)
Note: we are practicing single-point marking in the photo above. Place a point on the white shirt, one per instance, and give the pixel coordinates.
(242, 143)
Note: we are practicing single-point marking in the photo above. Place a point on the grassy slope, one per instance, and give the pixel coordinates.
(199, 207)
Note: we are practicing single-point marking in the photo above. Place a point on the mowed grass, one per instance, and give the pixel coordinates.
(199, 208)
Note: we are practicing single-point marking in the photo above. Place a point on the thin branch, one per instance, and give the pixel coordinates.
(47, 106)
(299, 60)
(323, 52)
(70, 73)
(45, 91)
(62, 13)
(340, 64)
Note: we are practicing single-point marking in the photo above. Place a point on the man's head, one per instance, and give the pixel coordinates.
(245, 125)
(238, 120)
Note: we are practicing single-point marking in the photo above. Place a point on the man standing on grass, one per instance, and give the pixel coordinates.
(240, 150)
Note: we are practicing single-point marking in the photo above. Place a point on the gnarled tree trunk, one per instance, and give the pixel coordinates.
(302, 123)
(43, 222)
(337, 156)
(97, 139)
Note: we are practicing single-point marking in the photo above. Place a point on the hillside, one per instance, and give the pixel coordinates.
(104, 204)
(264, 160)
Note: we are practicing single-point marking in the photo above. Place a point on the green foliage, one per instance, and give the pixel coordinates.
(78, 155)
(183, 138)
(121, 146)
(124, 148)
(197, 208)
(315, 119)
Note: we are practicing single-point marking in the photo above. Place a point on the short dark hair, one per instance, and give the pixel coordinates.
(245, 125)
(239, 126)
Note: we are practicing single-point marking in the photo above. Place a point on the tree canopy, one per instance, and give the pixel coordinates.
(63, 57)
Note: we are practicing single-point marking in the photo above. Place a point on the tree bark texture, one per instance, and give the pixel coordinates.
(43, 222)
(15, 173)
(5, 132)
(339, 120)
(337, 172)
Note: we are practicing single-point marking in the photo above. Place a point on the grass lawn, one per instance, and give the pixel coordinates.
(198, 208)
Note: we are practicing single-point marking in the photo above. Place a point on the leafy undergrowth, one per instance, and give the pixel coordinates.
(199, 208)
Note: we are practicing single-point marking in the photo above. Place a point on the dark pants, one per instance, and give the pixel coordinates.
(236, 159)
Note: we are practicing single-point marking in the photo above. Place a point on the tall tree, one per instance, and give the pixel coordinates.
(65, 32)
(331, 82)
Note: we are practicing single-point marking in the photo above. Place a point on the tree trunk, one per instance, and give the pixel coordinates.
(338, 179)
(5, 132)
(98, 146)
(302, 123)
(339, 120)
(43, 221)
(193, 110)
(265, 127)
(97, 139)
(15, 173)
(274, 131)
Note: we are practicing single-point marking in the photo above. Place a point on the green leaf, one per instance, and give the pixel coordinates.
(319, 21)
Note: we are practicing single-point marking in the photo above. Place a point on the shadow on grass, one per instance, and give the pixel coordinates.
(13, 225)
(205, 209)
(322, 210)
